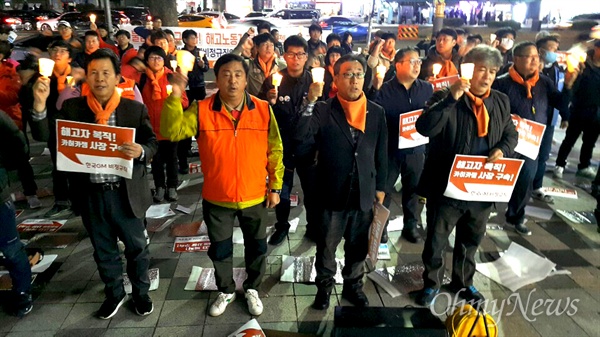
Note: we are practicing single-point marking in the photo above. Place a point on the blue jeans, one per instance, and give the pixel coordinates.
(16, 259)
(545, 148)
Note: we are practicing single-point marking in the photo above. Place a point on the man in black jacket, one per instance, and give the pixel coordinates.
(455, 123)
(402, 94)
(532, 96)
(348, 135)
(111, 207)
(585, 117)
(286, 102)
(443, 53)
(13, 149)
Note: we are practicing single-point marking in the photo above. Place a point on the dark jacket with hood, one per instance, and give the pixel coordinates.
(585, 104)
(432, 58)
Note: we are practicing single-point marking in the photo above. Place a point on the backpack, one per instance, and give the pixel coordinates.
(467, 321)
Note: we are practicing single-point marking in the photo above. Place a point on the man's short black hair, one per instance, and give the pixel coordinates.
(521, 46)
(262, 38)
(349, 58)
(502, 32)
(228, 58)
(5, 49)
(295, 41)
(169, 32)
(187, 33)
(447, 31)
(473, 37)
(62, 44)
(156, 18)
(387, 36)
(401, 52)
(460, 31)
(274, 31)
(333, 37)
(158, 35)
(91, 33)
(102, 54)
(155, 50)
(315, 28)
(123, 32)
(542, 42)
(263, 25)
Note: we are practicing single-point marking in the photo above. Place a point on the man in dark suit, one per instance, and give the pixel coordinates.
(348, 134)
(111, 207)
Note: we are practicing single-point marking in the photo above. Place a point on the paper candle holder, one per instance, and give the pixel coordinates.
(380, 70)
(46, 67)
(173, 64)
(185, 60)
(318, 74)
(93, 18)
(277, 79)
(466, 70)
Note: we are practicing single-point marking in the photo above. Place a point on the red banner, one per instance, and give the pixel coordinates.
(473, 179)
(409, 137)
(530, 136)
(441, 83)
(93, 148)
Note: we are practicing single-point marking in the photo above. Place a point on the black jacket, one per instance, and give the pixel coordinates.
(13, 150)
(326, 134)
(586, 93)
(452, 129)
(290, 96)
(130, 114)
(396, 100)
(432, 58)
(545, 97)
(196, 76)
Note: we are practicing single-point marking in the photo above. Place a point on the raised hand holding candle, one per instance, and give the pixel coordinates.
(93, 18)
(436, 69)
(381, 71)
(46, 67)
(318, 73)
(277, 80)
(466, 70)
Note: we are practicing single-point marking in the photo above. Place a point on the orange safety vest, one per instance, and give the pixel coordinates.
(234, 159)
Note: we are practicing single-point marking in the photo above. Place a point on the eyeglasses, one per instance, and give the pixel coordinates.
(298, 56)
(413, 62)
(155, 58)
(354, 75)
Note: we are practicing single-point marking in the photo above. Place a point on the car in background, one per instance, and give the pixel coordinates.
(336, 20)
(81, 20)
(197, 21)
(8, 19)
(587, 17)
(228, 16)
(253, 22)
(137, 15)
(297, 14)
(28, 18)
(359, 32)
(256, 15)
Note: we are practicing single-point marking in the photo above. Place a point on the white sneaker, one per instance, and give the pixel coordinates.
(558, 172)
(255, 306)
(587, 172)
(217, 308)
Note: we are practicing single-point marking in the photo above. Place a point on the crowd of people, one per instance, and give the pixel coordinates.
(271, 119)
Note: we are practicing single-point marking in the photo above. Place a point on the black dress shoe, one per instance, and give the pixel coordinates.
(384, 236)
(356, 296)
(322, 299)
(411, 235)
(278, 237)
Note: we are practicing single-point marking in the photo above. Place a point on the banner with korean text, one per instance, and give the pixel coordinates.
(472, 179)
(441, 83)
(409, 137)
(530, 136)
(93, 148)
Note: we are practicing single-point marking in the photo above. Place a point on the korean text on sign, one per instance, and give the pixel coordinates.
(93, 148)
(441, 83)
(409, 137)
(472, 179)
(530, 136)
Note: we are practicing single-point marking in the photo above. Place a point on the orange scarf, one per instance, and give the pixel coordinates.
(530, 83)
(334, 88)
(480, 111)
(126, 84)
(356, 111)
(62, 78)
(266, 66)
(156, 89)
(389, 56)
(448, 69)
(102, 114)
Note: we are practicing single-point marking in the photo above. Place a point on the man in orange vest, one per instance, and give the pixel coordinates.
(240, 146)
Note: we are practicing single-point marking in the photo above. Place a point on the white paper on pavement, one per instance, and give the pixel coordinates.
(538, 212)
(517, 268)
(384, 252)
(396, 224)
(251, 328)
(41, 267)
(301, 269)
(204, 279)
(294, 225)
(153, 274)
(159, 211)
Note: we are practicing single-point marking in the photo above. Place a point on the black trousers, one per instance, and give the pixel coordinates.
(219, 221)
(410, 166)
(470, 219)
(590, 130)
(107, 216)
(60, 182)
(352, 225)
(515, 212)
(308, 180)
(165, 157)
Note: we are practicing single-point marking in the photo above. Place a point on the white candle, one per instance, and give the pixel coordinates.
(318, 73)
(359, 50)
(436, 69)
(492, 37)
(277, 79)
(466, 70)
(169, 89)
(185, 60)
(46, 67)
(381, 71)
(174, 64)
(93, 18)
(202, 53)
(70, 80)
